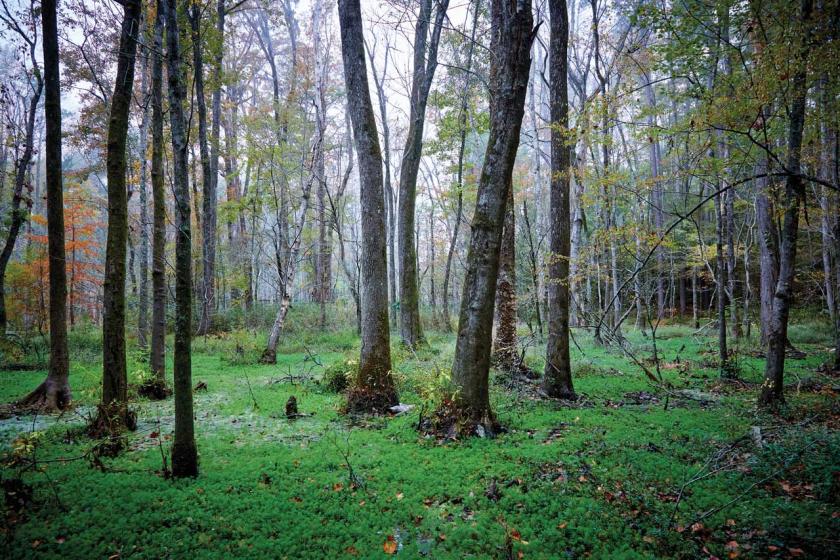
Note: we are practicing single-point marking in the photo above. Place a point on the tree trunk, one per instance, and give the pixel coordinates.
(557, 380)
(411, 330)
(505, 345)
(54, 392)
(184, 453)
(324, 262)
(459, 203)
(158, 339)
(114, 381)
(373, 389)
(143, 287)
(209, 173)
(772, 390)
(511, 30)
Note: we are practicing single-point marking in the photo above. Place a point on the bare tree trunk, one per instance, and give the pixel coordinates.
(114, 382)
(158, 340)
(506, 345)
(143, 287)
(54, 392)
(772, 390)
(324, 258)
(558, 370)
(184, 453)
(512, 33)
(209, 173)
(720, 281)
(425, 63)
(373, 389)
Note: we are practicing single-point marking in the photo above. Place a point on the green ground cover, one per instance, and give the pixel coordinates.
(631, 471)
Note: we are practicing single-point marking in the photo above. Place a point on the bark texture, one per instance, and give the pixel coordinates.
(558, 368)
(373, 389)
(512, 34)
(505, 344)
(772, 389)
(184, 454)
(54, 392)
(114, 382)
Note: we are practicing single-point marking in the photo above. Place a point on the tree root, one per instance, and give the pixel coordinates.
(47, 397)
(452, 421)
(111, 421)
(362, 400)
(154, 389)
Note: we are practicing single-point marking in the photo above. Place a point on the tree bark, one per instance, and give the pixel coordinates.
(506, 344)
(114, 381)
(54, 392)
(772, 390)
(157, 350)
(184, 453)
(512, 34)
(143, 286)
(425, 64)
(558, 370)
(373, 389)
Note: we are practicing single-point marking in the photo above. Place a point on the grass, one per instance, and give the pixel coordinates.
(602, 479)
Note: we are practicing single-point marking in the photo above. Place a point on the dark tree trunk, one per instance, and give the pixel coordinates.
(772, 390)
(506, 344)
(54, 392)
(114, 382)
(143, 285)
(558, 369)
(511, 29)
(184, 454)
(373, 389)
(158, 339)
(411, 330)
(768, 248)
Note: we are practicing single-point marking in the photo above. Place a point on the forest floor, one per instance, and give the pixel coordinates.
(632, 470)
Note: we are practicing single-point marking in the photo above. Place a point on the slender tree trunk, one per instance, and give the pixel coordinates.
(184, 453)
(459, 201)
(114, 381)
(772, 390)
(158, 339)
(54, 392)
(511, 36)
(143, 287)
(324, 262)
(373, 389)
(425, 63)
(768, 247)
(558, 371)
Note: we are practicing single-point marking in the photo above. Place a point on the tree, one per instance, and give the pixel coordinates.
(772, 390)
(114, 413)
(373, 388)
(184, 453)
(557, 381)
(511, 37)
(157, 349)
(506, 344)
(425, 63)
(21, 202)
(54, 392)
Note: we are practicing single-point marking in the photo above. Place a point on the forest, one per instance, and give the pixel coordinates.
(422, 278)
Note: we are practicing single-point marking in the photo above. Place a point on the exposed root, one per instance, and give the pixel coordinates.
(154, 389)
(47, 397)
(111, 421)
(363, 400)
(269, 357)
(451, 422)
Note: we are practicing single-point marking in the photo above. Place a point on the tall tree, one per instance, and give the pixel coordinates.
(772, 390)
(114, 410)
(54, 392)
(158, 338)
(184, 454)
(505, 344)
(425, 64)
(21, 202)
(511, 37)
(557, 380)
(373, 388)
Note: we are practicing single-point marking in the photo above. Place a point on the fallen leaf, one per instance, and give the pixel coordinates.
(390, 545)
(338, 487)
(400, 496)
(796, 552)
(563, 525)
(351, 550)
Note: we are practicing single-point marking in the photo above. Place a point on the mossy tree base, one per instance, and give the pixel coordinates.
(365, 400)
(453, 421)
(154, 389)
(47, 397)
(112, 420)
(184, 460)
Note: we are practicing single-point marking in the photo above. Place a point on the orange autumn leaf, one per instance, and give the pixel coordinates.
(390, 545)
